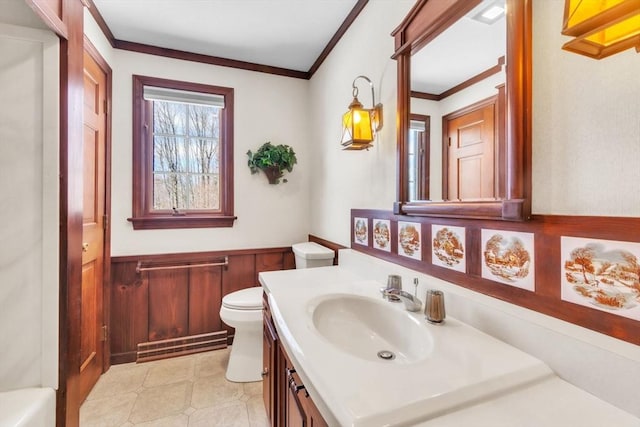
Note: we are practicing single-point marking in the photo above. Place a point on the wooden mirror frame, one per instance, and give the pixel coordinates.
(426, 20)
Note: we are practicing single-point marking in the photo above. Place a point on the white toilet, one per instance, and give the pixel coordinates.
(242, 310)
(311, 254)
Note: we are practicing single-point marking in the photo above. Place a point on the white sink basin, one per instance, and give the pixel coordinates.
(371, 329)
(332, 326)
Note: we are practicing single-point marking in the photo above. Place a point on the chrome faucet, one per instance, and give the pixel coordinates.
(394, 282)
(411, 303)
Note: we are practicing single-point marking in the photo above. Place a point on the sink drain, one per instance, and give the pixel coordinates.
(386, 355)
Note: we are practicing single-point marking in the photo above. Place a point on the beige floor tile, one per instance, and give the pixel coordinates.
(212, 363)
(162, 401)
(230, 415)
(120, 379)
(253, 389)
(181, 420)
(107, 412)
(169, 371)
(215, 390)
(257, 412)
(180, 392)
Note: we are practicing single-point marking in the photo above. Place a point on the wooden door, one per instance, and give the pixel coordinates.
(92, 334)
(471, 152)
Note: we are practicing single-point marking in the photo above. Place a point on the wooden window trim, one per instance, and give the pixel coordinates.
(143, 218)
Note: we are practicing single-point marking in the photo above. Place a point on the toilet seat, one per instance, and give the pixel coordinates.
(244, 299)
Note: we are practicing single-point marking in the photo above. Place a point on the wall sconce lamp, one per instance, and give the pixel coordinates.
(601, 27)
(359, 124)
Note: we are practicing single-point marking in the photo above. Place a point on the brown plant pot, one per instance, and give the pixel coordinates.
(273, 174)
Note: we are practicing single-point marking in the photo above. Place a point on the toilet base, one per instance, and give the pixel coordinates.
(245, 359)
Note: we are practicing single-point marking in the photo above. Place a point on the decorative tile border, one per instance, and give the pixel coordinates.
(382, 234)
(448, 247)
(602, 274)
(361, 231)
(410, 240)
(546, 288)
(508, 258)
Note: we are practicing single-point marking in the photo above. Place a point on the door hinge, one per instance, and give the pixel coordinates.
(449, 141)
(105, 221)
(105, 333)
(106, 106)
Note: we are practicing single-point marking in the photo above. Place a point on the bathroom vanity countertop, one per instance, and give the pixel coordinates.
(466, 378)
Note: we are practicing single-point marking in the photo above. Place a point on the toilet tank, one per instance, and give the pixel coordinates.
(311, 254)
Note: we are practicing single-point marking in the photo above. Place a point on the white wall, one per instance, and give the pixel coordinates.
(29, 153)
(586, 125)
(342, 180)
(267, 108)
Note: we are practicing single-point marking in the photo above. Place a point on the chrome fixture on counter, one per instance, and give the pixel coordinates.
(411, 303)
(434, 307)
(394, 281)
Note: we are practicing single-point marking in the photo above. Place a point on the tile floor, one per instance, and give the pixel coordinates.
(187, 391)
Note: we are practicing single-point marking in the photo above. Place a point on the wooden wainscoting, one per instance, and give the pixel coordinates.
(179, 308)
(335, 247)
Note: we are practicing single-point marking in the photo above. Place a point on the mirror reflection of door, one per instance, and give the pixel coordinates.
(470, 147)
(418, 152)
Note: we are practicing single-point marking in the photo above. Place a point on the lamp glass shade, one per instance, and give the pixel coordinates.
(618, 32)
(601, 27)
(356, 125)
(580, 12)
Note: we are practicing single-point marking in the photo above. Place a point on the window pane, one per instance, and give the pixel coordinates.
(204, 156)
(184, 143)
(169, 154)
(204, 192)
(203, 121)
(169, 118)
(169, 191)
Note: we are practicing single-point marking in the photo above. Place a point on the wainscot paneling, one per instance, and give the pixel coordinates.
(179, 304)
(611, 289)
(335, 247)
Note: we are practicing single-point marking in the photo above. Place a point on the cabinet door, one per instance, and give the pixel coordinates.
(295, 411)
(269, 369)
(314, 418)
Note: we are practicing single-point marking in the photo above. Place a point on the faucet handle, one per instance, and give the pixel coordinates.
(394, 281)
(391, 294)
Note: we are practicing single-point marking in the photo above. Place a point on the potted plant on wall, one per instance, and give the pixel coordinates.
(273, 160)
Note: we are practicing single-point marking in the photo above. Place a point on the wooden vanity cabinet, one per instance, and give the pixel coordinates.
(286, 400)
(269, 364)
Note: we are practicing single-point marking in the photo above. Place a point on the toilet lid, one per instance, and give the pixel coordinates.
(244, 299)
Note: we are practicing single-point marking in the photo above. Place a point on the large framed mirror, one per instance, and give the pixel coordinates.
(464, 109)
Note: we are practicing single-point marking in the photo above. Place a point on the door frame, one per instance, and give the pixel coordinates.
(492, 100)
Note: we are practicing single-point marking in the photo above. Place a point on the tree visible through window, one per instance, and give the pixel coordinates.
(183, 147)
(186, 165)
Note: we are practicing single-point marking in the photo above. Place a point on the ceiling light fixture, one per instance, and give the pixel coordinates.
(601, 27)
(359, 124)
(491, 13)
